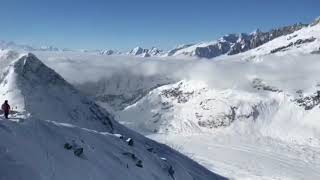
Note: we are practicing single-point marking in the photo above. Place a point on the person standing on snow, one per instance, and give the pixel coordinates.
(5, 108)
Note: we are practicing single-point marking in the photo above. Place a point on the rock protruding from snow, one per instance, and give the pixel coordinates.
(139, 51)
(109, 52)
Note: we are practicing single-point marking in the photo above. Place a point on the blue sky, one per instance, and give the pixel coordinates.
(123, 24)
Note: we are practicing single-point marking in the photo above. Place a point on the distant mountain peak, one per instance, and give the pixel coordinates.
(139, 51)
(316, 21)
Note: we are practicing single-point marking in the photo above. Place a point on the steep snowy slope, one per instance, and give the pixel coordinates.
(57, 133)
(306, 40)
(30, 85)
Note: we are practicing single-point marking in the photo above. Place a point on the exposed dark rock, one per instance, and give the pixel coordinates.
(138, 51)
(78, 152)
(139, 164)
(176, 93)
(224, 120)
(67, 146)
(282, 48)
(296, 43)
(260, 85)
(302, 41)
(213, 50)
(219, 121)
(171, 172)
(130, 141)
(309, 102)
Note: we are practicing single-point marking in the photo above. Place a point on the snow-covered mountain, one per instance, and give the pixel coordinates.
(233, 43)
(55, 132)
(249, 115)
(259, 108)
(20, 47)
(12, 45)
(138, 51)
(109, 52)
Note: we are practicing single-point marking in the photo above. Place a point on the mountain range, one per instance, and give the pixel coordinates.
(229, 44)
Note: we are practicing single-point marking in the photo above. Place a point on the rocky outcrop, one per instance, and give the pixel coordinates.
(309, 102)
(139, 51)
(108, 52)
(260, 85)
(296, 43)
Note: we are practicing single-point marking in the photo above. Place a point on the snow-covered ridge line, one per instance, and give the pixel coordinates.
(58, 133)
(232, 44)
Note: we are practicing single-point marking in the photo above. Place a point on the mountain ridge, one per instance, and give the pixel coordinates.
(56, 128)
(229, 44)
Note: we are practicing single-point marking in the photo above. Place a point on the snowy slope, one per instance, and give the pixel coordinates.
(306, 40)
(192, 107)
(51, 113)
(30, 85)
(258, 109)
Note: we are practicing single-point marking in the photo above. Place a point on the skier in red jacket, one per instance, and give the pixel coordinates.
(5, 108)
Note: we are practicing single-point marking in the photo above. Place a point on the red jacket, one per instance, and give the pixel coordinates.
(5, 107)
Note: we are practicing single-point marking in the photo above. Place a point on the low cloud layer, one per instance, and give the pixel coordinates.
(289, 72)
